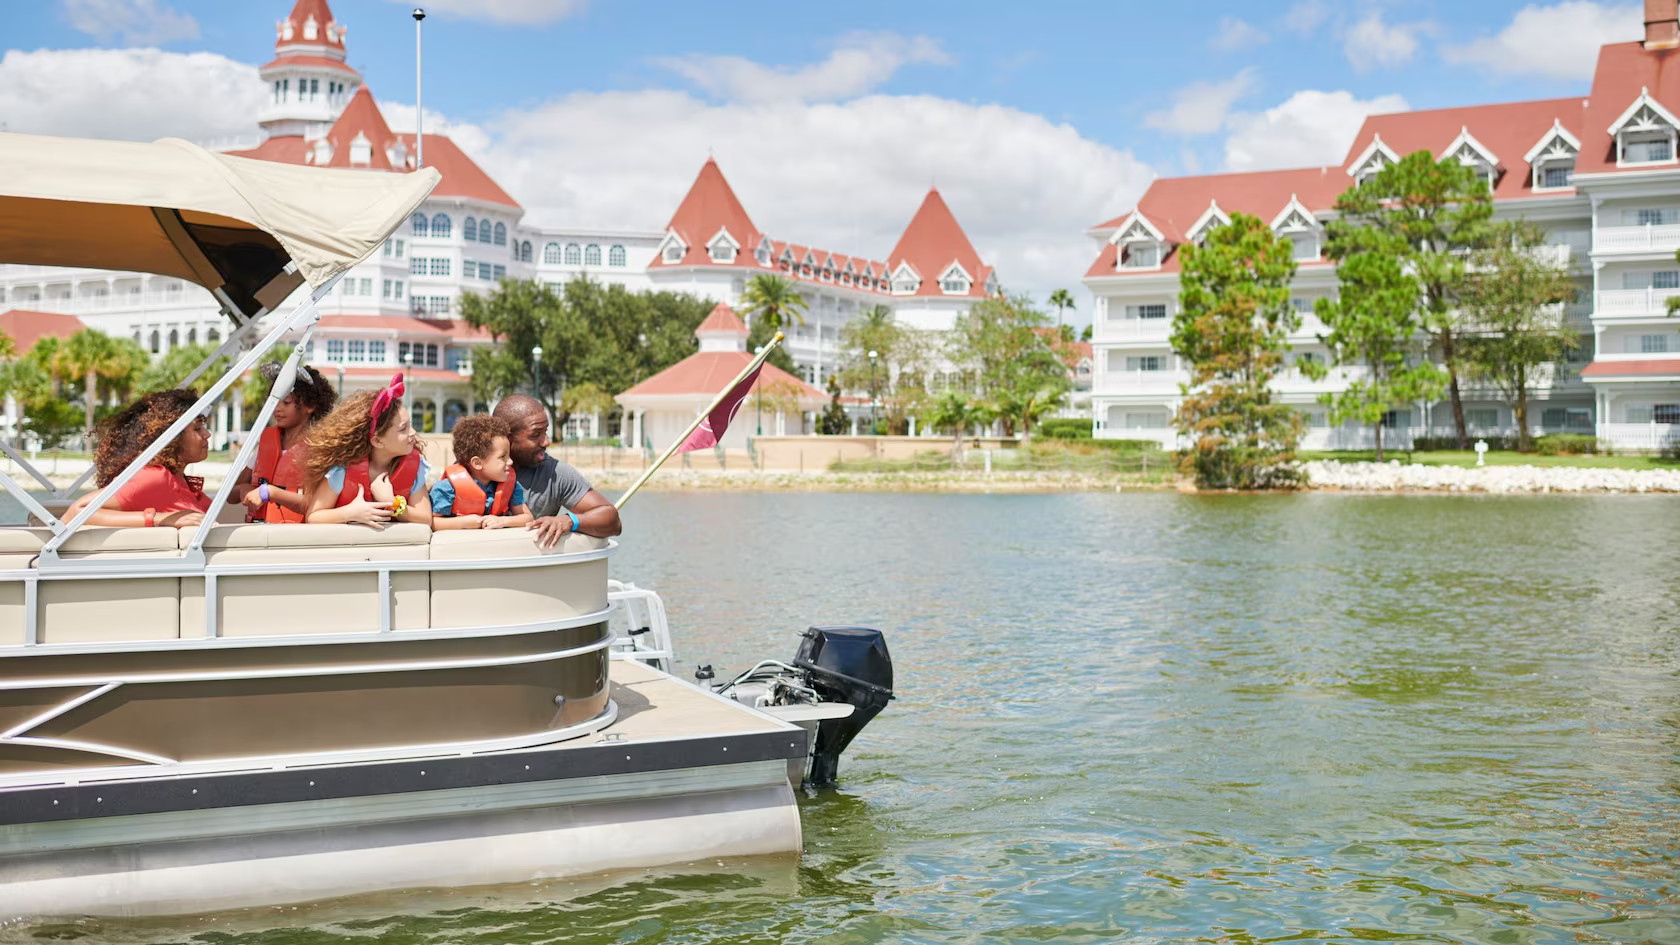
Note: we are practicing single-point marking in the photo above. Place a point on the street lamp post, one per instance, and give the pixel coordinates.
(341, 380)
(872, 397)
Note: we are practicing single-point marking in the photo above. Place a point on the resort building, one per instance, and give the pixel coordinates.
(1600, 174)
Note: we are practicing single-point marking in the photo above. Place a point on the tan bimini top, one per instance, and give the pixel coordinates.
(232, 225)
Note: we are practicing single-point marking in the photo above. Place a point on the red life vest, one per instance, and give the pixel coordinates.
(278, 468)
(469, 495)
(403, 476)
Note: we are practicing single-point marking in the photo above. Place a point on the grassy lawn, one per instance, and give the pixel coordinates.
(1494, 458)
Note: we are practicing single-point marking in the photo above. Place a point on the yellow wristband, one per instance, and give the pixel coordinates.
(399, 505)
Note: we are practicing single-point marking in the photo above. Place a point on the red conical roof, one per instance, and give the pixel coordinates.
(723, 318)
(710, 206)
(327, 31)
(933, 241)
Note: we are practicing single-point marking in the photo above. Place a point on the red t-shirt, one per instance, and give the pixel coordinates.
(155, 487)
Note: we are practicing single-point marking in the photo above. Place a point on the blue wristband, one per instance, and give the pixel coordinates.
(573, 516)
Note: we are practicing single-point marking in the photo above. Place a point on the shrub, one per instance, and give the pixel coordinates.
(1065, 428)
(1566, 444)
(1426, 444)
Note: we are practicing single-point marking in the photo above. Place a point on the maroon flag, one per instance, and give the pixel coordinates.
(711, 429)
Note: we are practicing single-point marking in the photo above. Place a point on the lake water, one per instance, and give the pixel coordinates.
(1161, 718)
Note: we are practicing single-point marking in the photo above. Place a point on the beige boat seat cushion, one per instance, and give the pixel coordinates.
(343, 602)
(511, 596)
(96, 610)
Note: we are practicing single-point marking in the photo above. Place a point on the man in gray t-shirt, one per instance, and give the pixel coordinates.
(558, 495)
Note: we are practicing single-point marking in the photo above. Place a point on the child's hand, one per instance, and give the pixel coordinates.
(362, 512)
(251, 500)
(380, 488)
(473, 521)
(493, 521)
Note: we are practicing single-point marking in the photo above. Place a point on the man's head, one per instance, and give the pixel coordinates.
(481, 445)
(527, 424)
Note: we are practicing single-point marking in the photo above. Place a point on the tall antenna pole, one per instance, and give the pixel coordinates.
(419, 113)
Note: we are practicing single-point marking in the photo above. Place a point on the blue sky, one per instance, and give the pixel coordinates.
(1036, 119)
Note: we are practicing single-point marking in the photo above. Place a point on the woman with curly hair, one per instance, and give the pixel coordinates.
(272, 488)
(160, 493)
(362, 463)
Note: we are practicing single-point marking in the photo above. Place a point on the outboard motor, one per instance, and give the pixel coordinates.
(850, 665)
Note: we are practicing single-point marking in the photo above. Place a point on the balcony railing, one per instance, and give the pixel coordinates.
(1133, 328)
(1133, 382)
(1634, 301)
(1650, 237)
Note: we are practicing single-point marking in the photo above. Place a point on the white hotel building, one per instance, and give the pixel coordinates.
(399, 309)
(1600, 174)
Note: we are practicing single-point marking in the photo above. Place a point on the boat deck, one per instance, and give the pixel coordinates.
(654, 705)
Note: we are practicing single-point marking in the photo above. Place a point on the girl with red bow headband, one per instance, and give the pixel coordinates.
(363, 463)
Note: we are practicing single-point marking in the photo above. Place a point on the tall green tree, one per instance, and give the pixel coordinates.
(1001, 343)
(1431, 213)
(1232, 328)
(1061, 299)
(773, 300)
(1372, 335)
(1514, 319)
(956, 412)
(833, 419)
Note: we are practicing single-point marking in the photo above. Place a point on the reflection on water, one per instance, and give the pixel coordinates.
(1162, 718)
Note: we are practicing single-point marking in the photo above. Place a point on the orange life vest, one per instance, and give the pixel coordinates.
(403, 476)
(278, 468)
(469, 495)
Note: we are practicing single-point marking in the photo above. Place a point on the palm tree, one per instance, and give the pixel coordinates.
(775, 300)
(876, 318)
(1061, 298)
(94, 356)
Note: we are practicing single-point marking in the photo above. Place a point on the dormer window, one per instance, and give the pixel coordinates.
(827, 275)
(1211, 219)
(361, 151)
(1374, 158)
(722, 253)
(673, 252)
(1141, 245)
(762, 254)
(311, 30)
(1475, 155)
(905, 281)
(955, 281)
(1645, 134)
(1553, 158)
(1297, 225)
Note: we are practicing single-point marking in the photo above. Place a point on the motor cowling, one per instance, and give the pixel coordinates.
(850, 665)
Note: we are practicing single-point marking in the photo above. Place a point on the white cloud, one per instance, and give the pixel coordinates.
(1200, 107)
(472, 138)
(1559, 41)
(860, 62)
(1305, 16)
(137, 94)
(1372, 42)
(842, 176)
(514, 12)
(1309, 128)
(1234, 33)
(131, 22)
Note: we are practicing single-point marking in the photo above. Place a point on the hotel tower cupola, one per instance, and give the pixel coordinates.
(309, 82)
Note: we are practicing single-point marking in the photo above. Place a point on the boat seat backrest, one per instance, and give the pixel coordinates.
(96, 611)
(514, 596)
(341, 602)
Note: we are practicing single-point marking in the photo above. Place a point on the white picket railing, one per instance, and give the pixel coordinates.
(1651, 236)
(1634, 301)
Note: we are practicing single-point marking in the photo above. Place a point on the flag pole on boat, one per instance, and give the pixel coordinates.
(707, 429)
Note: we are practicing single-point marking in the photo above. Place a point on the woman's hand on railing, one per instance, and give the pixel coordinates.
(360, 511)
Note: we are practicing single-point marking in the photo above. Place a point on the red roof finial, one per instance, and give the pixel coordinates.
(310, 23)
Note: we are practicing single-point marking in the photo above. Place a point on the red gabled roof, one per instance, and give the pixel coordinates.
(25, 328)
(1508, 130)
(1646, 368)
(1624, 69)
(710, 206)
(462, 177)
(722, 318)
(933, 241)
(392, 323)
(1173, 204)
(315, 62)
(707, 372)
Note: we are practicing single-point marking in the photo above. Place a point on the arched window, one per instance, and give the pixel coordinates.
(192, 336)
(453, 410)
(215, 337)
(419, 224)
(174, 339)
(616, 257)
(440, 225)
(574, 255)
(469, 230)
(551, 254)
(525, 251)
(592, 255)
(501, 234)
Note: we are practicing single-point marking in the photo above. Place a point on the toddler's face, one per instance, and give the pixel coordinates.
(497, 465)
